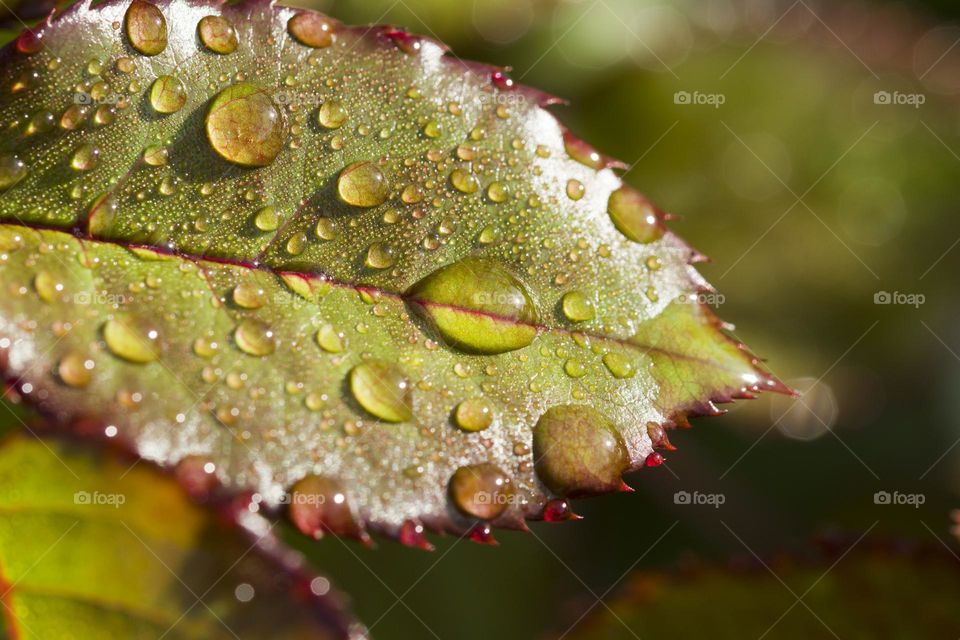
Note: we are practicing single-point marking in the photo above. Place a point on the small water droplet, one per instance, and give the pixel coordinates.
(363, 184)
(128, 339)
(318, 505)
(244, 125)
(578, 451)
(331, 340)
(481, 490)
(634, 216)
(48, 288)
(85, 157)
(12, 170)
(249, 295)
(464, 181)
(497, 192)
(146, 28)
(73, 117)
(255, 337)
(76, 369)
(575, 189)
(577, 307)
(325, 229)
(312, 29)
(167, 94)
(474, 414)
(383, 390)
(332, 114)
(620, 366)
(217, 34)
(155, 155)
(267, 219)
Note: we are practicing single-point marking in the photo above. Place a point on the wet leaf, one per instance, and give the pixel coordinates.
(340, 259)
(152, 563)
(878, 590)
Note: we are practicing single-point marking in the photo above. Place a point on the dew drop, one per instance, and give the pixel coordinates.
(478, 306)
(578, 451)
(497, 192)
(319, 504)
(267, 219)
(85, 157)
(380, 256)
(248, 295)
(574, 368)
(217, 34)
(244, 125)
(75, 369)
(155, 155)
(578, 307)
(167, 94)
(12, 170)
(473, 414)
(128, 340)
(254, 337)
(383, 390)
(363, 184)
(73, 117)
(47, 287)
(481, 490)
(29, 41)
(464, 181)
(619, 365)
(634, 216)
(332, 114)
(312, 29)
(146, 28)
(575, 189)
(330, 340)
(325, 229)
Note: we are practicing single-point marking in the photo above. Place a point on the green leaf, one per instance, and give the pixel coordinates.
(877, 590)
(311, 253)
(94, 547)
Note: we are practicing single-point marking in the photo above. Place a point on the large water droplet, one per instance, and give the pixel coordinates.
(167, 94)
(577, 307)
(578, 451)
(363, 184)
(127, 339)
(267, 219)
(332, 114)
(464, 181)
(255, 337)
(312, 29)
(318, 505)
(380, 256)
(75, 369)
(146, 28)
(330, 340)
(481, 490)
(383, 390)
(217, 34)
(85, 157)
(635, 216)
(249, 295)
(244, 125)
(12, 170)
(474, 414)
(478, 306)
(619, 365)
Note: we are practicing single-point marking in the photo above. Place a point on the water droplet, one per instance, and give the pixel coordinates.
(146, 28)
(575, 189)
(29, 41)
(254, 337)
(167, 94)
(363, 184)
(312, 29)
(474, 414)
(267, 219)
(497, 192)
(464, 181)
(73, 117)
(249, 295)
(76, 369)
(433, 129)
(217, 34)
(380, 256)
(619, 365)
(478, 306)
(488, 235)
(155, 155)
(383, 390)
(102, 213)
(578, 451)
(574, 368)
(12, 170)
(634, 216)
(40, 123)
(332, 114)
(558, 510)
(318, 505)
(330, 340)
(85, 157)
(412, 194)
(127, 339)
(578, 307)
(47, 286)
(244, 125)
(325, 229)
(126, 65)
(481, 490)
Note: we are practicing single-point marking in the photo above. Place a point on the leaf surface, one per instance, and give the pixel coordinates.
(338, 256)
(92, 548)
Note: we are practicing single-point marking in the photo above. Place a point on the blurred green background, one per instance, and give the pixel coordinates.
(811, 150)
(812, 194)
